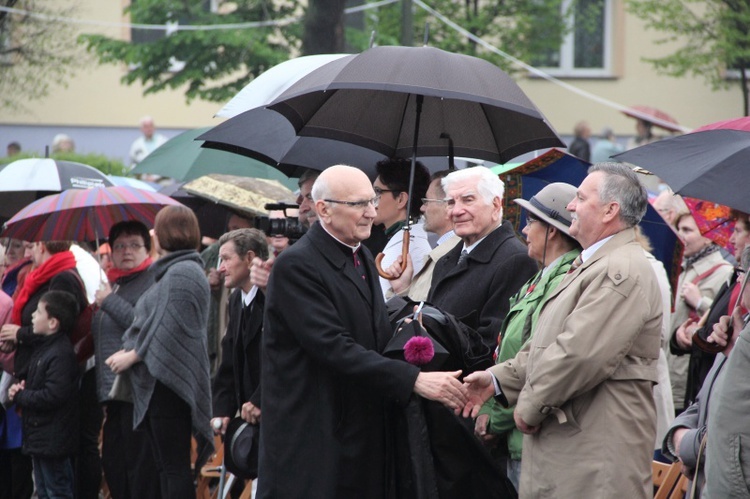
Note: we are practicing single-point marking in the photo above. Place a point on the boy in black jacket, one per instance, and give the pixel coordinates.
(48, 396)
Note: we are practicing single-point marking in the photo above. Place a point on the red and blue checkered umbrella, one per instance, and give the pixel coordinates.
(84, 214)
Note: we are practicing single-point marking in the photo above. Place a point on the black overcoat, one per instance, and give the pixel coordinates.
(478, 291)
(325, 387)
(238, 378)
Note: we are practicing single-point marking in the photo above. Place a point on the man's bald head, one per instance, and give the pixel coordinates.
(344, 201)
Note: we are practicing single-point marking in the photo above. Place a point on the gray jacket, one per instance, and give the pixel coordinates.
(728, 452)
(694, 418)
(110, 322)
(169, 336)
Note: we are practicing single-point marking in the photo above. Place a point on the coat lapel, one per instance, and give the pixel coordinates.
(331, 250)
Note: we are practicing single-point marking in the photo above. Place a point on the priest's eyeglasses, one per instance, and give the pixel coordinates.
(362, 205)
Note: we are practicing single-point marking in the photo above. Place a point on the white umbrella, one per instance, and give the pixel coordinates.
(267, 86)
(26, 180)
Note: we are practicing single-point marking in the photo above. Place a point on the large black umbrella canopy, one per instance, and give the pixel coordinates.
(269, 137)
(371, 99)
(710, 165)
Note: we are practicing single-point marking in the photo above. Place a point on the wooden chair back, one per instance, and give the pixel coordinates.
(665, 477)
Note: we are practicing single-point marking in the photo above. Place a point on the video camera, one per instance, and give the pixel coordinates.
(287, 227)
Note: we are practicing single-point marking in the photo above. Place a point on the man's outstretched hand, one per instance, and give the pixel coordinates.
(479, 388)
(443, 387)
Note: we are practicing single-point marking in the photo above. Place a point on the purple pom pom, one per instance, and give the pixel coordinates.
(419, 350)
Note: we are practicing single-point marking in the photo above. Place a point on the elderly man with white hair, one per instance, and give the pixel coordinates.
(477, 278)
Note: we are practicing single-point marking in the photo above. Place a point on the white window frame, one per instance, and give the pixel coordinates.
(567, 54)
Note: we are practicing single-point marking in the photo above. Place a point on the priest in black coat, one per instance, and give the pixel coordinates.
(325, 386)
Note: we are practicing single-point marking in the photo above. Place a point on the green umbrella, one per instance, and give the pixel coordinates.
(182, 158)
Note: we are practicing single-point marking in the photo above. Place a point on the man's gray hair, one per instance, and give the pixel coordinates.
(621, 185)
(489, 185)
(247, 240)
(307, 175)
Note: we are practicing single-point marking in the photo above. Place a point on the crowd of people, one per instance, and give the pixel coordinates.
(553, 368)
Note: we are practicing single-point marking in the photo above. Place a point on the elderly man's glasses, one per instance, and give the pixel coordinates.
(428, 200)
(130, 246)
(362, 205)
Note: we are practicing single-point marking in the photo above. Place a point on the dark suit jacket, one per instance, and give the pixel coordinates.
(325, 387)
(238, 378)
(478, 291)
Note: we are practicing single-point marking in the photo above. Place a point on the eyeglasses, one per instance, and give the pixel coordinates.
(530, 220)
(379, 192)
(362, 205)
(131, 246)
(428, 200)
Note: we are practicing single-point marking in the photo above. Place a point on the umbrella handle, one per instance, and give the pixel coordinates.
(404, 252)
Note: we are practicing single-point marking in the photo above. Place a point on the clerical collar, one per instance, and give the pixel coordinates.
(353, 249)
(394, 228)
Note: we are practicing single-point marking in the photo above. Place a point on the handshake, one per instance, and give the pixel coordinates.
(464, 399)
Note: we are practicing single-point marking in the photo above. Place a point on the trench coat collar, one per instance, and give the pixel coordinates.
(621, 238)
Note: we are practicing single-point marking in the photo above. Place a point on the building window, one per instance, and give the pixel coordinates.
(586, 49)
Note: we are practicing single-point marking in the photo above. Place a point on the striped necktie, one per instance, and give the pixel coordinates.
(576, 263)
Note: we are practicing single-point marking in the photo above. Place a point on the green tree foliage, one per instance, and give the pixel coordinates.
(217, 64)
(711, 37)
(211, 65)
(35, 53)
(522, 28)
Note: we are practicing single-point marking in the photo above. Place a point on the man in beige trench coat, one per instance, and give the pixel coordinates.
(583, 384)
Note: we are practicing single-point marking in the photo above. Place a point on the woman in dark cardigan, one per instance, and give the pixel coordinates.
(165, 356)
(127, 457)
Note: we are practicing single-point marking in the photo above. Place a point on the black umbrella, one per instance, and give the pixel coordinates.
(405, 101)
(269, 137)
(710, 165)
(26, 180)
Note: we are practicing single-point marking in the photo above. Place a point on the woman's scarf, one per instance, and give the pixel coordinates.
(690, 260)
(114, 274)
(57, 263)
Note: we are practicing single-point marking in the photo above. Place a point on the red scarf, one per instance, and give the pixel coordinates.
(113, 274)
(57, 263)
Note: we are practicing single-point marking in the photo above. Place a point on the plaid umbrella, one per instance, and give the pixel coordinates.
(84, 214)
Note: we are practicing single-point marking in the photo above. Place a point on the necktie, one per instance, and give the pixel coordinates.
(463, 256)
(576, 263)
(358, 264)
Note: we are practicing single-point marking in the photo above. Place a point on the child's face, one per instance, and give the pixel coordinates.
(42, 323)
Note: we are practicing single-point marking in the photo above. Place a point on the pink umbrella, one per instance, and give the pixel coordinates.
(655, 116)
(742, 124)
(84, 214)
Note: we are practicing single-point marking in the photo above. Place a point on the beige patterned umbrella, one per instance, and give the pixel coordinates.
(241, 193)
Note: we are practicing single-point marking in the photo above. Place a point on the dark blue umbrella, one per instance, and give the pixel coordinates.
(526, 180)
